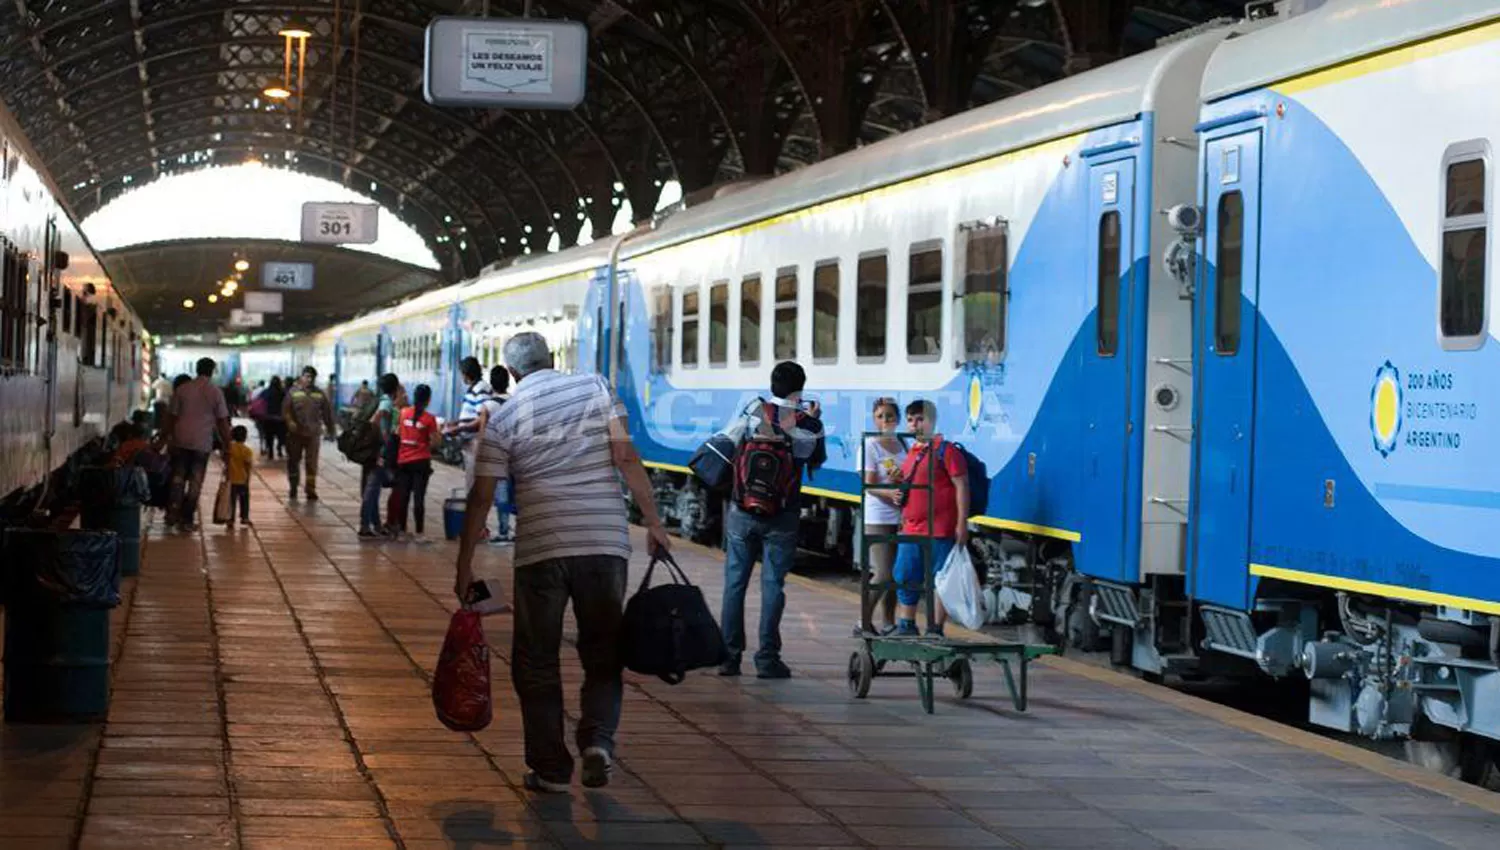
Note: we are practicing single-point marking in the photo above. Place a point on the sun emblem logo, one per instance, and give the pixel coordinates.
(1385, 408)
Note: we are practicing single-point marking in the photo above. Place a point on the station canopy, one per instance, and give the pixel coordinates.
(117, 93)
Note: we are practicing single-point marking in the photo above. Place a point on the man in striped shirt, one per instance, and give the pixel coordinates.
(563, 441)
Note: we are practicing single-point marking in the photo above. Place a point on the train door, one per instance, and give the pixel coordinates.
(1225, 370)
(1110, 236)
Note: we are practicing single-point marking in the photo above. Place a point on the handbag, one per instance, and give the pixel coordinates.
(221, 504)
(669, 630)
(461, 684)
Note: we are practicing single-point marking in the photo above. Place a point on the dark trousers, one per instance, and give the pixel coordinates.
(411, 484)
(596, 586)
(773, 542)
(239, 499)
(188, 467)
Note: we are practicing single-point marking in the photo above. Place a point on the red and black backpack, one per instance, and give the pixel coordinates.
(765, 471)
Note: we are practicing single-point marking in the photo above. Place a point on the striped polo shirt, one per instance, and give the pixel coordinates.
(474, 398)
(552, 439)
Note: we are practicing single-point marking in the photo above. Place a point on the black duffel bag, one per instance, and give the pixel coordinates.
(668, 630)
(713, 463)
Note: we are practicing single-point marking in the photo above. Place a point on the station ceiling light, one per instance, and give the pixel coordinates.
(241, 265)
(276, 93)
(213, 299)
(187, 303)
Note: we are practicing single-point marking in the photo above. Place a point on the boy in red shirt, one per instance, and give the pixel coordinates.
(930, 456)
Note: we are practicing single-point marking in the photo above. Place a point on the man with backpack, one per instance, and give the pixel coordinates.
(777, 439)
(932, 462)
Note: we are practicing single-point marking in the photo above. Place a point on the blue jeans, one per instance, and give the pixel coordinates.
(369, 504)
(773, 542)
(909, 568)
(502, 507)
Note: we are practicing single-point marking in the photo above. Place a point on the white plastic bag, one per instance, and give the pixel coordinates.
(958, 587)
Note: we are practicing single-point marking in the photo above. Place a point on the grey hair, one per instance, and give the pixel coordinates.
(526, 353)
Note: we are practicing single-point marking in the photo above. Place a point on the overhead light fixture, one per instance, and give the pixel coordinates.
(213, 299)
(276, 93)
(187, 303)
(241, 265)
(294, 31)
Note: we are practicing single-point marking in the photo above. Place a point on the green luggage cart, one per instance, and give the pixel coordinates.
(926, 658)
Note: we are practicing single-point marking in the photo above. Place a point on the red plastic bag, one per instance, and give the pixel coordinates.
(461, 685)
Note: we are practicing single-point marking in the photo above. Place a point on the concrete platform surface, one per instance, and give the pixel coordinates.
(271, 692)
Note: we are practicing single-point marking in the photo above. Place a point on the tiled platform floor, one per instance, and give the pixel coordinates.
(271, 692)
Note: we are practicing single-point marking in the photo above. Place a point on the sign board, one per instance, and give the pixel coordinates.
(338, 223)
(263, 302)
(245, 319)
(297, 276)
(509, 63)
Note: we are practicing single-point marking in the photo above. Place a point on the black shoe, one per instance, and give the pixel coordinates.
(597, 765)
(291, 495)
(774, 669)
(312, 496)
(730, 668)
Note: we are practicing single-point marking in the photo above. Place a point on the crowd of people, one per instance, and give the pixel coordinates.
(556, 452)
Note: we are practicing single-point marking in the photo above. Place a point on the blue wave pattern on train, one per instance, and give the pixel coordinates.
(1227, 378)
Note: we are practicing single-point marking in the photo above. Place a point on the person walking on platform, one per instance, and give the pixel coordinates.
(383, 468)
(418, 436)
(563, 439)
(196, 413)
(241, 460)
(275, 421)
(880, 463)
(500, 386)
(307, 412)
(161, 397)
(764, 511)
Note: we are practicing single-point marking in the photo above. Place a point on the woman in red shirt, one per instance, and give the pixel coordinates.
(418, 435)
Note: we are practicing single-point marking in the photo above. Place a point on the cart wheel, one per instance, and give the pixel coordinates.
(861, 673)
(924, 686)
(961, 673)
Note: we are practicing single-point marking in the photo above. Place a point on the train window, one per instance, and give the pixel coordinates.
(870, 307)
(690, 328)
(785, 342)
(67, 311)
(718, 323)
(924, 302)
(750, 320)
(12, 301)
(1107, 314)
(89, 316)
(1229, 265)
(986, 257)
(826, 311)
(1461, 307)
(661, 327)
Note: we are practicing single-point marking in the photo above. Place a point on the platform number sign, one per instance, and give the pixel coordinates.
(295, 276)
(340, 224)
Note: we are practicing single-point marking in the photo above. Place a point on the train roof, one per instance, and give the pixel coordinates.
(1117, 92)
(1335, 32)
(535, 269)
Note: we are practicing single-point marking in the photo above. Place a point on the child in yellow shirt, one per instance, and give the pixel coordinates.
(241, 458)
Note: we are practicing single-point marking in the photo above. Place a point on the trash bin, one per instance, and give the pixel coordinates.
(112, 499)
(60, 587)
(453, 514)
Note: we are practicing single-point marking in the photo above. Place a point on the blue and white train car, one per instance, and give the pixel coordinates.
(1346, 365)
(996, 262)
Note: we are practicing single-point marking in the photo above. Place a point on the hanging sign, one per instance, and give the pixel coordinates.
(263, 302)
(338, 224)
(297, 276)
(245, 319)
(505, 62)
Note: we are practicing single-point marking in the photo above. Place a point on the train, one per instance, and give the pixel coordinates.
(1212, 319)
(75, 359)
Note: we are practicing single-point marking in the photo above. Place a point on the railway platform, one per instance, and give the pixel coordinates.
(271, 692)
